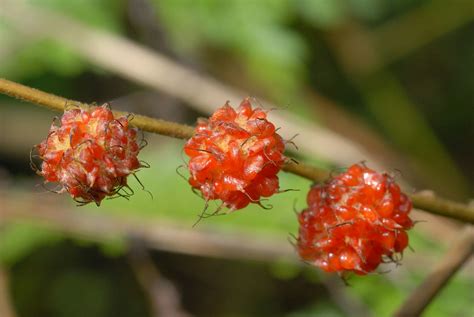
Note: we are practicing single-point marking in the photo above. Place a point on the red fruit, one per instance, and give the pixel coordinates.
(90, 154)
(235, 156)
(354, 221)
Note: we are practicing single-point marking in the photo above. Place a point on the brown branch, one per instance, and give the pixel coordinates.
(439, 277)
(429, 203)
(57, 103)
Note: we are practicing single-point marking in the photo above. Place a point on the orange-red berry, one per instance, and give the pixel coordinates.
(90, 154)
(235, 156)
(354, 221)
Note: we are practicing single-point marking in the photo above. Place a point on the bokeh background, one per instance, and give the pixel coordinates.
(388, 82)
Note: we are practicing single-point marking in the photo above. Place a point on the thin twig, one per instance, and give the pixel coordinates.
(428, 203)
(439, 277)
(57, 103)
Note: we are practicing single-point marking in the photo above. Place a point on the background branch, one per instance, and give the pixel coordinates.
(162, 295)
(453, 260)
(156, 235)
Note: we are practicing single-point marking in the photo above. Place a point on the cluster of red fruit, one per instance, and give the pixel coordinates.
(353, 222)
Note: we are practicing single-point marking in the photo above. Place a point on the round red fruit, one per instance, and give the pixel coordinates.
(90, 154)
(235, 156)
(354, 221)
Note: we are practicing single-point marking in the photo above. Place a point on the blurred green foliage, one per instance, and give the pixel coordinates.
(18, 240)
(253, 31)
(34, 58)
